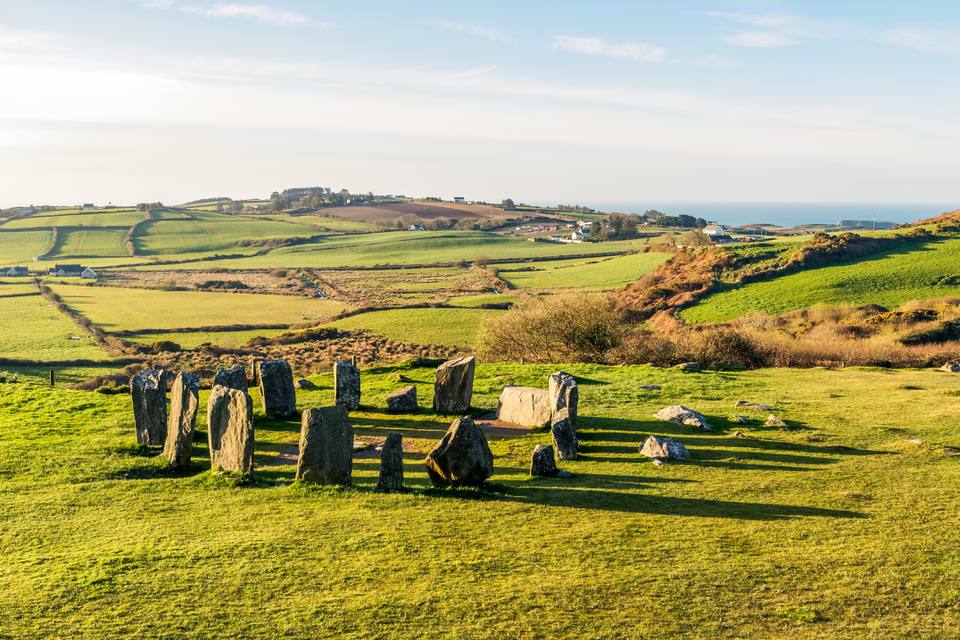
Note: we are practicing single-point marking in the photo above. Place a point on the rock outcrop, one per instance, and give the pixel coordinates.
(276, 388)
(524, 406)
(184, 403)
(230, 430)
(326, 446)
(664, 449)
(403, 400)
(683, 416)
(148, 390)
(391, 463)
(462, 457)
(453, 385)
(346, 384)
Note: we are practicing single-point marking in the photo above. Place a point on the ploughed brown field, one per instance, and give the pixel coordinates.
(391, 211)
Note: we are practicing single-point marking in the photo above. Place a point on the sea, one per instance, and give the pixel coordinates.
(786, 214)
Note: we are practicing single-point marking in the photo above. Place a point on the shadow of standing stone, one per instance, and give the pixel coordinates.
(453, 385)
(184, 402)
(276, 388)
(326, 447)
(391, 463)
(346, 384)
(230, 430)
(148, 390)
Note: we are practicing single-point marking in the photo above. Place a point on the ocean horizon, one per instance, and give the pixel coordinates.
(785, 214)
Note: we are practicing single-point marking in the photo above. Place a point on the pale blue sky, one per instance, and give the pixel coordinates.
(740, 100)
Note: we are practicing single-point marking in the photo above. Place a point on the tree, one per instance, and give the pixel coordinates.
(508, 205)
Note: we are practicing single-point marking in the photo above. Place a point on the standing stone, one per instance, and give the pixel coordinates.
(462, 457)
(542, 462)
(148, 389)
(453, 386)
(346, 384)
(524, 406)
(564, 436)
(235, 377)
(564, 394)
(391, 463)
(326, 446)
(230, 430)
(403, 400)
(184, 401)
(276, 388)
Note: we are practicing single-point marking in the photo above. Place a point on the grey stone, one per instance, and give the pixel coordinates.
(453, 385)
(326, 446)
(564, 394)
(739, 419)
(683, 416)
(650, 387)
(952, 367)
(664, 449)
(230, 430)
(564, 436)
(305, 385)
(276, 388)
(346, 384)
(391, 463)
(462, 457)
(542, 462)
(774, 421)
(403, 400)
(234, 377)
(524, 406)
(148, 390)
(754, 406)
(691, 367)
(184, 402)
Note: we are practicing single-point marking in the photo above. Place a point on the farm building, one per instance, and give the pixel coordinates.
(17, 272)
(89, 274)
(415, 227)
(66, 270)
(715, 230)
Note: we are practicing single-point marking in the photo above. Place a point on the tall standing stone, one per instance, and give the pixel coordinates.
(230, 430)
(326, 446)
(184, 402)
(462, 457)
(542, 462)
(148, 390)
(524, 406)
(276, 388)
(564, 394)
(234, 377)
(453, 385)
(564, 436)
(346, 384)
(391, 463)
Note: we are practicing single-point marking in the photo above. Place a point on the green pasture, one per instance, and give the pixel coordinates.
(843, 525)
(19, 248)
(482, 299)
(918, 270)
(205, 232)
(328, 222)
(108, 218)
(596, 274)
(85, 244)
(116, 309)
(33, 330)
(193, 339)
(453, 327)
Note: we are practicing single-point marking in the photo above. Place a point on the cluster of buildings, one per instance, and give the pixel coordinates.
(58, 270)
(582, 233)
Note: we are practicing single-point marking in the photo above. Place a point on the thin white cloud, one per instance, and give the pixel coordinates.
(20, 40)
(759, 39)
(924, 39)
(260, 13)
(641, 51)
(478, 31)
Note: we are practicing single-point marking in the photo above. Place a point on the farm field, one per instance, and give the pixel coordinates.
(328, 222)
(86, 244)
(779, 533)
(452, 327)
(19, 248)
(596, 274)
(34, 330)
(925, 270)
(73, 218)
(193, 339)
(210, 232)
(120, 309)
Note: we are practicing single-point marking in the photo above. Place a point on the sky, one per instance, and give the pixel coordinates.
(542, 100)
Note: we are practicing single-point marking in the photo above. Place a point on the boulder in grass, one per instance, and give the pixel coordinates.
(148, 390)
(453, 385)
(305, 385)
(754, 406)
(391, 463)
(683, 416)
(230, 430)
(951, 367)
(234, 377)
(403, 400)
(564, 436)
(689, 367)
(664, 449)
(524, 406)
(346, 384)
(326, 447)
(542, 462)
(775, 421)
(276, 388)
(184, 402)
(462, 457)
(564, 394)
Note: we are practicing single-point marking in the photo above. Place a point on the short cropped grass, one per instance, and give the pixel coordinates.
(596, 274)
(33, 330)
(207, 232)
(19, 248)
(843, 525)
(453, 327)
(924, 269)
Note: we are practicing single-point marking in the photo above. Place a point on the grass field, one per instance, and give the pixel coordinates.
(842, 526)
(192, 340)
(453, 327)
(209, 232)
(21, 247)
(33, 330)
(109, 218)
(114, 308)
(329, 222)
(888, 279)
(84, 244)
(596, 274)
(482, 299)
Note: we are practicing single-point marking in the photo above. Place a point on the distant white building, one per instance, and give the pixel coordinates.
(715, 230)
(17, 272)
(89, 274)
(415, 227)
